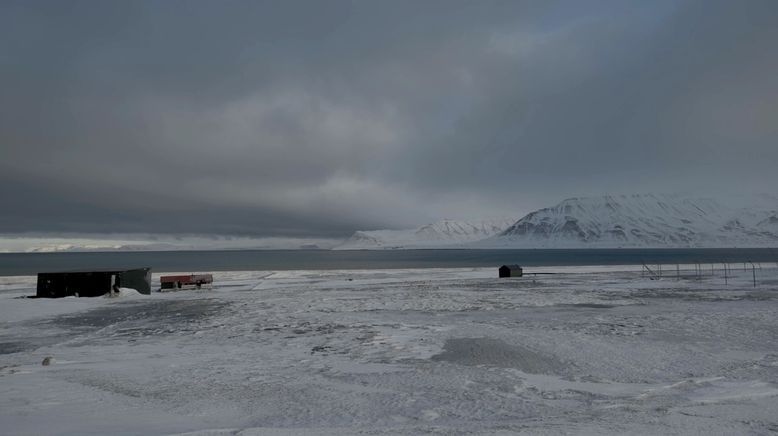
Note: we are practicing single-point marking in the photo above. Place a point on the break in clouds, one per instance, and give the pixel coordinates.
(314, 119)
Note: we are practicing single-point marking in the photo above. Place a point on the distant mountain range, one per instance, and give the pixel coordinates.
(626, 221)
(82, 243)
(610, 221)
(441, 234)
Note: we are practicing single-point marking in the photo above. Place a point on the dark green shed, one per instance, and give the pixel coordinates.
(511, 271)
(92, 283)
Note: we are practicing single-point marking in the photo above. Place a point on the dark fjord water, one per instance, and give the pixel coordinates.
(164, 261)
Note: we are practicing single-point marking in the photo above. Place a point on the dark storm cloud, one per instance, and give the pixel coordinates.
(319, 118)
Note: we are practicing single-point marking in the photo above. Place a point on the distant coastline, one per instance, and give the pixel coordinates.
(316, 259)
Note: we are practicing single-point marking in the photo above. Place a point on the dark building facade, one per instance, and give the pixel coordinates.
(511, 271)
(92, 283)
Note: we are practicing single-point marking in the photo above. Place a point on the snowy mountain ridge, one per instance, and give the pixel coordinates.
(642, 221)
(608, 221)
(444, 233)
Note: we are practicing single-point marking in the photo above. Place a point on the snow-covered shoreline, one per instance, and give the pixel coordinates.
(592, 350)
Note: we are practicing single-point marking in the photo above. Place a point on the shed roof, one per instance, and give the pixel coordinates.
(511, 266)
(96, 270)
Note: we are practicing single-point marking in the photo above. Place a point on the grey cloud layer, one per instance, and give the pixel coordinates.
(318, 118)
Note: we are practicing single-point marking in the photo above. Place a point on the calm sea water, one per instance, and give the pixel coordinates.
(203, 261)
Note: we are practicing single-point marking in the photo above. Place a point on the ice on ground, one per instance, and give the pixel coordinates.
(588, 351)
(487, 351)
(126, 293)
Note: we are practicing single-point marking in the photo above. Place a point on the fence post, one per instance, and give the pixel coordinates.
(753, 270)
(652, 274)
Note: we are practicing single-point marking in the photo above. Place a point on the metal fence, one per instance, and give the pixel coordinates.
(699, 271)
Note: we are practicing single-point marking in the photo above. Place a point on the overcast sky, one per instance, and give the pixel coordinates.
(318, 118)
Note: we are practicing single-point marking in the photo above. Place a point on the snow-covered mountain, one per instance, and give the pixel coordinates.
(628, 221)
(445, 233)
(643, 221)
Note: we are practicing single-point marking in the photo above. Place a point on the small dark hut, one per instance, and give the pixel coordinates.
(92, 283)
(510, 271)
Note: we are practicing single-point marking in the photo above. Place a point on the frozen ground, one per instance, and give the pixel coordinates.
(398, 352)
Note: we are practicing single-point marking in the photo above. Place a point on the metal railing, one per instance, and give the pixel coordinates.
(656, 271)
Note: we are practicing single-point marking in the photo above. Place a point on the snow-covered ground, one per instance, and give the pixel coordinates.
(588, 351)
